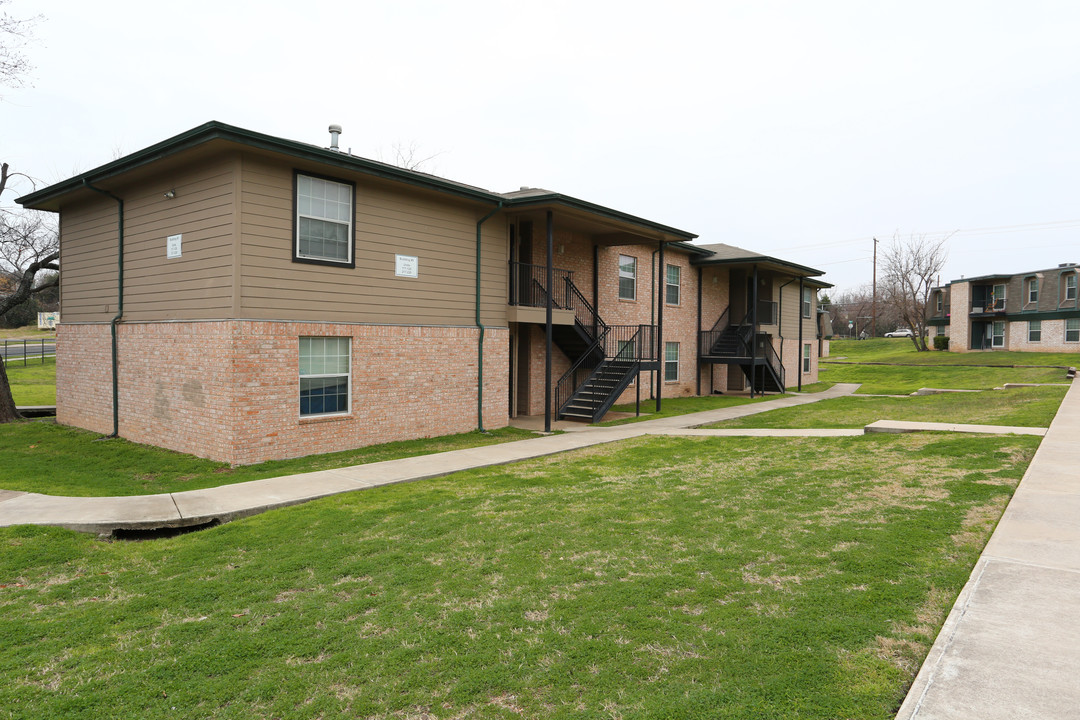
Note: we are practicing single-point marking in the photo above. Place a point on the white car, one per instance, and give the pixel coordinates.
(902, 332)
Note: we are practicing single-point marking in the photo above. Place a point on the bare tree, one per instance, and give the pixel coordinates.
(14, 35)
(851, 311)
(29, 250)
(909, 269)
(410, 157)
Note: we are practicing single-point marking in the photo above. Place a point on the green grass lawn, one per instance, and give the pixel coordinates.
(1025, 407)
(912, 370)
(33, 383)
(657, 577)
(47, 458)
(27, 331)
(901, 350)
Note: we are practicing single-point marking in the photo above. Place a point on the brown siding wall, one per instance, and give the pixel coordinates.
(441, 232)
(196, 285)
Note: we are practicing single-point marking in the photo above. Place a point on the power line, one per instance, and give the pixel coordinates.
(989, 230)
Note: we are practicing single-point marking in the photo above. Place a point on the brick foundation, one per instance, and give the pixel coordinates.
(228, 390)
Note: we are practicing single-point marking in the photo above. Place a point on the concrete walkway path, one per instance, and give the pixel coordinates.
(103, 515)
(1010, 648)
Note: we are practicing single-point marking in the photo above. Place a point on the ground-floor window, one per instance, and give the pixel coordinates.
(671, 362)
(997, 337)
(1035, 331)
(324, 376)
(1072, 330)
(806, 357)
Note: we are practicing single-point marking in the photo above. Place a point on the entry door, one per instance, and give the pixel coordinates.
(999, 334)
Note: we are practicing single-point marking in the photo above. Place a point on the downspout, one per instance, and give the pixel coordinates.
(780, 323)
(654, 376)
(119, 305)
(697, 345)
(800, 331)
(480, 326)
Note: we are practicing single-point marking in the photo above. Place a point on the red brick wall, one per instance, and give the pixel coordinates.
(229, 390)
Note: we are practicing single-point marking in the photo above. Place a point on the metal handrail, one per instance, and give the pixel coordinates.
(528, 284)
(584, 312)
(611, 344)
(587, 361)
(773, 359)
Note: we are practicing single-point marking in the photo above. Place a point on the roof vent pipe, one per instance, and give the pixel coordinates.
(335, 130)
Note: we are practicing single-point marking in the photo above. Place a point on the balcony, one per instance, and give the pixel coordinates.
(990, 306)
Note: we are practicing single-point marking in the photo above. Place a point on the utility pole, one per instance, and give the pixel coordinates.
(873, 302)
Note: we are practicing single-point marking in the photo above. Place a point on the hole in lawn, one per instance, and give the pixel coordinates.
(158, 533)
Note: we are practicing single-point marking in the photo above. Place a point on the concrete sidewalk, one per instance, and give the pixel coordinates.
(103, 515)
(1010, 648)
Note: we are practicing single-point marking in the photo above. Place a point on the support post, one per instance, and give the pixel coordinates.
(547, 322)
(753, 333)
(660, 355)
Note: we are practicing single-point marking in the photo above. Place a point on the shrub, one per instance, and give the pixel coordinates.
(941, 342)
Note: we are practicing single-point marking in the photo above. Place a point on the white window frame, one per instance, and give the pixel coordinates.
(345, 189)
(807, 356)
(1075, 330)
(677, 285)
(668, 361)
(1034, 331)
(997, 340)
(939, 302)
(807, 301)
(1004, 295)
(1033, 290)
(1070, 286)
(320, 375)
(631, 274)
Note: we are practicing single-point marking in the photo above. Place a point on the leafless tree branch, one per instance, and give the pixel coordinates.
(909, 269)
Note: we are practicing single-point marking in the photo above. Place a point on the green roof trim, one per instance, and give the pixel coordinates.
(751, 259)
(553, 198)
(215, 130)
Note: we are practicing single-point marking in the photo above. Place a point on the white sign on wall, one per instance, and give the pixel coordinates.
(172, 246)
(407, 266)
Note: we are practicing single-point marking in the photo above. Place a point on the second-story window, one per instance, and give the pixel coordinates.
(627, 277)
(807, 301)
(674, 284)
(1033, 290)
(1070, 286)
(324, 221)
(999, 297)
(938, 302)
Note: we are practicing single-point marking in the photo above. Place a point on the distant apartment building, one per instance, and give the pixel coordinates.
(1032, 311)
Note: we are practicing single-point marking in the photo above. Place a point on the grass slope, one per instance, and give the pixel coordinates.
(47, 458)
(911, 370)
(1024, 407)
(665, 577)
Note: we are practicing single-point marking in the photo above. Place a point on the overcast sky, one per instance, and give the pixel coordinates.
(796, 129)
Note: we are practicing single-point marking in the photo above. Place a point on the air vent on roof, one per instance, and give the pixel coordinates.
(335, 130)
(1067, 265)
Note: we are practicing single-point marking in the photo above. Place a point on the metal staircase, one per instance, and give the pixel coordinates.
(733, 344)
(605, 359)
